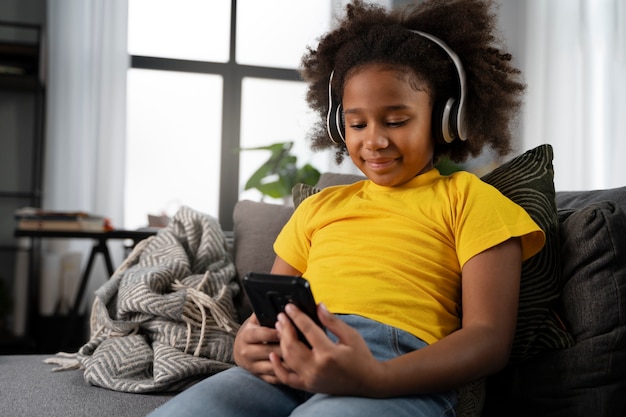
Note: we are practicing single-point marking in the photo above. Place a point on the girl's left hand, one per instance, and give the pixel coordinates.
(343, 368)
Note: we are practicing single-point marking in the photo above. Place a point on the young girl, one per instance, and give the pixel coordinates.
(417, 274)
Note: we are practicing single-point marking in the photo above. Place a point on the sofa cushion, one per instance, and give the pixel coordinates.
(256, 225)
(593, 253)
(580, 199)
(28, 388)
(332, 178)
(588, 378)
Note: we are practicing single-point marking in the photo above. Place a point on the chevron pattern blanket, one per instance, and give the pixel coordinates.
(166, 318)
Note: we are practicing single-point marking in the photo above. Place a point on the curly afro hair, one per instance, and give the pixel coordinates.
(369, 34)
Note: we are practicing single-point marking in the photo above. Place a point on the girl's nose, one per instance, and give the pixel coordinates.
(376, 139)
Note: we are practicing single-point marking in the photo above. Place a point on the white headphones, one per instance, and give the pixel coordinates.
(448, 121)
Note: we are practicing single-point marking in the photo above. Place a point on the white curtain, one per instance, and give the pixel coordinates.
(86, 108)
(575, 68)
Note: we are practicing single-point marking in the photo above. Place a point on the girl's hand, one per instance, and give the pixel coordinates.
(253, 345)
(343, 368)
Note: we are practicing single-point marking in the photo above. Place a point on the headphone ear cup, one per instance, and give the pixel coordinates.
(437, 121)
(334, 119)
(335, 124)
(453, 116)
(342, 124)
(444, 123)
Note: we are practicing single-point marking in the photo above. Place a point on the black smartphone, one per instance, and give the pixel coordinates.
(270, 293)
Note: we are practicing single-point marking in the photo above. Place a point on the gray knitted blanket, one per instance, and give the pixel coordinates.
(166, 318)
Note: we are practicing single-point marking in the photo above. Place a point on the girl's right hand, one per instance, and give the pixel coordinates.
(252, 348)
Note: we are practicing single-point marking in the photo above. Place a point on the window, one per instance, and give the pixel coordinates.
(174, 147)
(208, 78)
(197, 30)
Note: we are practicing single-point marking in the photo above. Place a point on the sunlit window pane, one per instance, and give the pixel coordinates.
(181, 29)
(174, 144)
(274, 33)
(274, 111)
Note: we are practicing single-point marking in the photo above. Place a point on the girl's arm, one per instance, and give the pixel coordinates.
(490, 292)
(281, 267)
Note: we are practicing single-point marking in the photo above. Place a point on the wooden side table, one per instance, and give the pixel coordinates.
(99, 247)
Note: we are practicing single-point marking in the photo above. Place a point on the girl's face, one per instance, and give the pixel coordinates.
(387, 120)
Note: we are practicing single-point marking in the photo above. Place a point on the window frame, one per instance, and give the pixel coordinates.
(233, 75)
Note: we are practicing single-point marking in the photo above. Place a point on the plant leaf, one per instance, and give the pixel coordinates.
(307, 174)
(272, 165)
(279, 174)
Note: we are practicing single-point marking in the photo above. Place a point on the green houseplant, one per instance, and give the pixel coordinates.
(277, 176)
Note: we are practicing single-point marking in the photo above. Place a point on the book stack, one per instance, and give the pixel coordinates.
(36, 219)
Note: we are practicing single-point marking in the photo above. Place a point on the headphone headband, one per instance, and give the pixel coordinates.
(452, 119)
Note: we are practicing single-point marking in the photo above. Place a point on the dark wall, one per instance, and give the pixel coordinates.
(17, 115)
(24, 11)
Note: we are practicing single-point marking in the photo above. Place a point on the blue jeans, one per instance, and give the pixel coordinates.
(237, 393)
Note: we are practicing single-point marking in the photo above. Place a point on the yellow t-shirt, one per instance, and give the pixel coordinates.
(395, 254)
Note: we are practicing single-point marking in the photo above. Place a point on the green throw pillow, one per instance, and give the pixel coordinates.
(528, 180)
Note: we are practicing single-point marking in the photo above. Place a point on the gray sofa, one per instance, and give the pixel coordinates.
(586, 377)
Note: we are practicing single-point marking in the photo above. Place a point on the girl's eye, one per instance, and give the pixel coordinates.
(396, 123)
(362, 125)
